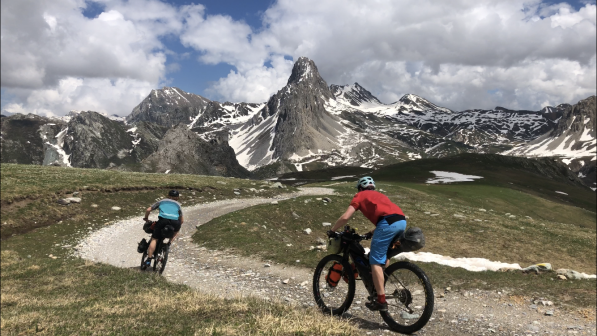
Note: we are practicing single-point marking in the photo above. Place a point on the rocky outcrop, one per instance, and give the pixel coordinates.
(95, 141)
(168, 107)
(24, 138)
(183, 151)
(355, 95)
(294, 122)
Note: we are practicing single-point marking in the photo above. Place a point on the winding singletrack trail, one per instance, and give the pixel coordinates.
(224, 274)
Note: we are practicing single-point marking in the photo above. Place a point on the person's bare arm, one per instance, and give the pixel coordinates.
(147, 212)
(344, 218)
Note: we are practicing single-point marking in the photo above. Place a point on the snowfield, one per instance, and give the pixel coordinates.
(450, 177)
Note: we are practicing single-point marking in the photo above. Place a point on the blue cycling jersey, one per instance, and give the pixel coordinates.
(169, 209)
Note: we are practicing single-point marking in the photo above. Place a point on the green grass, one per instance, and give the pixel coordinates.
(29, 193)
(67, 295)
(43, 296)
(541, 177)
(568, 243)
(31, 181)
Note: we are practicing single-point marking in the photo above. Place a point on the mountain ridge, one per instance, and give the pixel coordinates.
(309, 125)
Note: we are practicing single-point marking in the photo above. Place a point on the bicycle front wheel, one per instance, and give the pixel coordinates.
(410, 297)
(333, 296)
(161, 259)
(143, 258)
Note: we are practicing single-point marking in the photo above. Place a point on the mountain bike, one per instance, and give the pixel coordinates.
(160, 255)
(408, 291)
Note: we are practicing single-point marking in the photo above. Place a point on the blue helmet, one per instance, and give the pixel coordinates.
(365, 181)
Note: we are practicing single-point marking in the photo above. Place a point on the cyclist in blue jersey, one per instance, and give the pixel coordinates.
(170, 214)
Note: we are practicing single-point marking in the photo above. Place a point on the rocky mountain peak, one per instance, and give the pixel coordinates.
(355, 95)
(304, 69)
(168, 106)
(415, 103)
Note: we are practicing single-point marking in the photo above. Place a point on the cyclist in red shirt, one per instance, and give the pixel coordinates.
(389, 222)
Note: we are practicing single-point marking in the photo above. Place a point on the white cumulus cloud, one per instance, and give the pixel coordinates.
(55, 59)
(461, 54)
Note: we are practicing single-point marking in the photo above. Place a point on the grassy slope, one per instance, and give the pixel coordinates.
(29, 193)
(564, 243)
(541, 177)
(70, 296)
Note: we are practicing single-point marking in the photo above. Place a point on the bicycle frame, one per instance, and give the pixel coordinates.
(351, 249)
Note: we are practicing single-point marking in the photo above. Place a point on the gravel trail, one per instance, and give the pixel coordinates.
(227, 275)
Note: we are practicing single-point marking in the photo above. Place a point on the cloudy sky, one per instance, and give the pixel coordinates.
(107, 55)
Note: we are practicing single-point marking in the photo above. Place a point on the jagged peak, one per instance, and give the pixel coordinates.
(304, 69)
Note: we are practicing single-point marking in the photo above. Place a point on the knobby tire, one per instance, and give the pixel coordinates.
(316, 282)
(429, 300)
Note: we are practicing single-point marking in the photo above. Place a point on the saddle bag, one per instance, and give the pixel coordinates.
(410, 240)
(168, 231)
(142, 246)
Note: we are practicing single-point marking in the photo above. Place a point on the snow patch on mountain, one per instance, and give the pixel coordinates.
(450, 177)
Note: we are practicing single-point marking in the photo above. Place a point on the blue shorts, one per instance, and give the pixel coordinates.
(382, 237)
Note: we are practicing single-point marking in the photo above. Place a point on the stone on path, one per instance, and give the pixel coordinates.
(94, 205)
(307, 231)
(274, 202)
(285, 281)
(326, 224)
(115, 208)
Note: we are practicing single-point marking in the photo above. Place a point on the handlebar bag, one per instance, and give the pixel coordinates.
(148, 227)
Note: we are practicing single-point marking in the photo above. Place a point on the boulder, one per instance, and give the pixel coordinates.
(544, 267)
(277, 185)
(63, 201)
(574, 275)
(307, 231)
(73, 199)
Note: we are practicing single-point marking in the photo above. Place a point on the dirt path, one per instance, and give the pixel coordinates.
(228, 275)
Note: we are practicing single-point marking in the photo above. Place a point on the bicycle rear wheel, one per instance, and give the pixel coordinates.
(410, 297)
(336, 299)
(161, 259)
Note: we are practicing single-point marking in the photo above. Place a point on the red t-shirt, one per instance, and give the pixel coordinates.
(374, 204)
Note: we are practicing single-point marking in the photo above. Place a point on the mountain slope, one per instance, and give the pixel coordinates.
(183, 151)
(294, 122)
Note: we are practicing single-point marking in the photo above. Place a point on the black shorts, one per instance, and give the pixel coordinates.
(161, 223)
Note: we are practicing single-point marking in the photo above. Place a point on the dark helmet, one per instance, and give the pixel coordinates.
(173, 193)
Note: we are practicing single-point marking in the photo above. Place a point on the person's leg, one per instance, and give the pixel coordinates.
(151, 248)
(382, 237)
(155, 236)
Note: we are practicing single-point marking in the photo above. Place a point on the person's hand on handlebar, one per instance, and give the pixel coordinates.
(331, 233)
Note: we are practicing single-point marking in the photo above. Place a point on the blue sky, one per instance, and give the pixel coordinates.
(107, 55)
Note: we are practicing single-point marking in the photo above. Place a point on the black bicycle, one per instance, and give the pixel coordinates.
(408, 291)
(161, 249)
